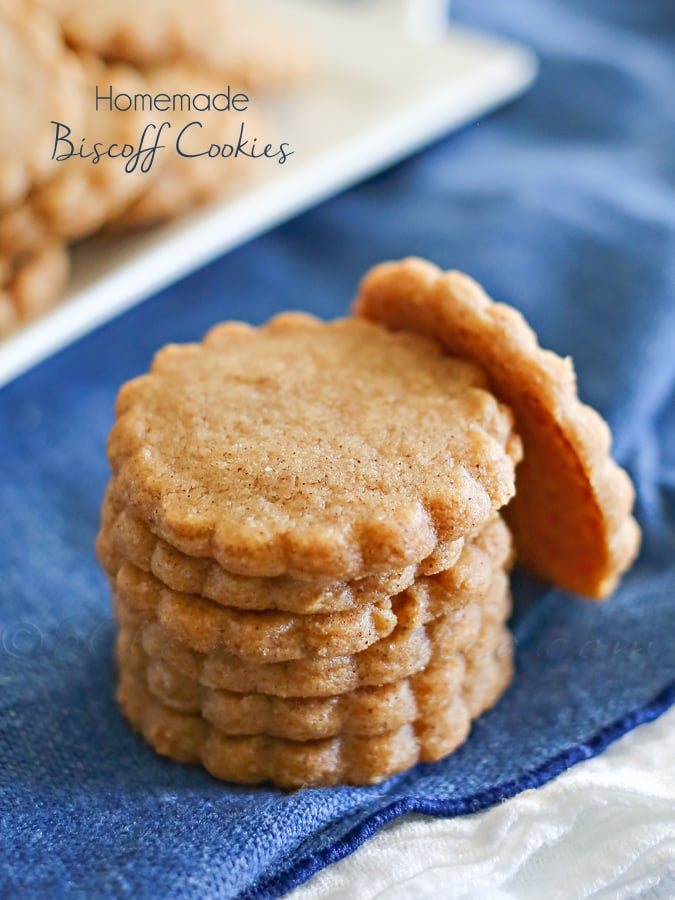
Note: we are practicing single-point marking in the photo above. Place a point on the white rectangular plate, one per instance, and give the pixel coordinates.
(380, 93)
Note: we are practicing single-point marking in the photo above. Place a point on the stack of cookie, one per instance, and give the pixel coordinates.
(303, 543)
(57, 55)
(303, 537)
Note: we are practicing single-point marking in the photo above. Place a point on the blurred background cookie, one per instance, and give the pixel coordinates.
(224, 36)
(40, 80)
(31, 283)
(72, 165)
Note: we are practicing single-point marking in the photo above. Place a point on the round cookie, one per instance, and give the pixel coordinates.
(344, 759)
(270, 636)
(571, 516)
(31, 283)
(302, 447)
(405, 651)
(40, 81)
(366, 710)
(124, 536)
(221, 35)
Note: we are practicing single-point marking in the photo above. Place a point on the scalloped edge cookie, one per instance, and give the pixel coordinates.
(366, 710)
(396, 518)
(399, 655)
(124, 535)
(571, 516)
(343, 759)
(272, 636)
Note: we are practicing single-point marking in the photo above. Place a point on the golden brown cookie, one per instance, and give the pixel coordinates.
(270, 636)
(405, 651)
(31, 283)
(125, 538)
(347, 758)
(83, 194)
(223, 35)
(571, 516)
(367, 710)
(40, 81)
(311, 448)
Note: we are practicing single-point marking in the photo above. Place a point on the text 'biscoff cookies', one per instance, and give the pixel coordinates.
(303, 534)
(108, 125)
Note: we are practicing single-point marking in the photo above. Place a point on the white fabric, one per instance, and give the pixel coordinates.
(604, 829)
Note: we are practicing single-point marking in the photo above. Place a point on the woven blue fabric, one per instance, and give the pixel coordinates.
(562, 204)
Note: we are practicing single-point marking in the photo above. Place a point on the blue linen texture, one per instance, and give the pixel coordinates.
(562, 204)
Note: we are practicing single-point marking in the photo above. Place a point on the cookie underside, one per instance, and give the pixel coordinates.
(571, 516)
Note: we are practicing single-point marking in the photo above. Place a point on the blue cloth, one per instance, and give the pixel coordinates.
(562, 204)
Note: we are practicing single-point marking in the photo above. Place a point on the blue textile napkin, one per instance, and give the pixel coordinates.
(562, 204)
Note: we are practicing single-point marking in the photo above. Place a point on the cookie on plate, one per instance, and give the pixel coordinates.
(224, 36)
(199, 161)
(40, 81)
(83, 194)
(31, 283)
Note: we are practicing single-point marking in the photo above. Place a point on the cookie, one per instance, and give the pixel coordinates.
(9, 318)
(344, 759)
(444, 556)
(571, 516)
(81, 196)
(312, 448)
(31, 284)
(181, 182)
(221, 35)
(269, 636)
(126, 537)
(40, 81)
(368, 710)
(404, 652)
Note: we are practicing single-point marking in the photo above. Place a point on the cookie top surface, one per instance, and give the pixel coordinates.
(303, 447)
(571, 516)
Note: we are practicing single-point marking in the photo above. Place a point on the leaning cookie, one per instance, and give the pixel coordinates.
(571, 516)
(298, 448)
